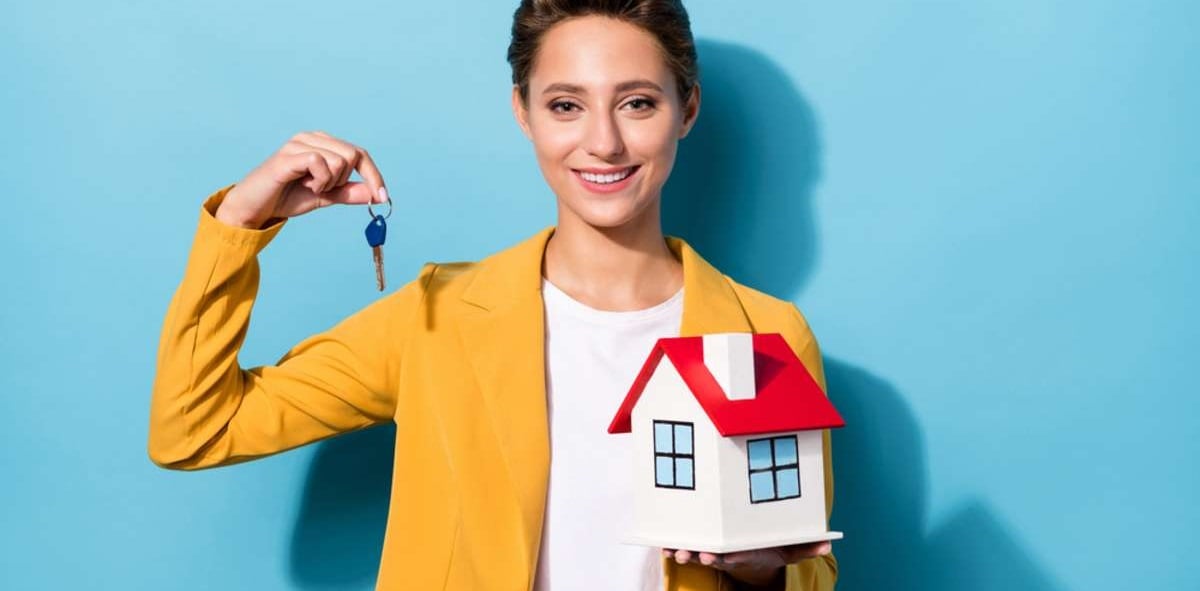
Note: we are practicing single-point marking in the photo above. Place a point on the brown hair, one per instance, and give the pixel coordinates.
(666, 20)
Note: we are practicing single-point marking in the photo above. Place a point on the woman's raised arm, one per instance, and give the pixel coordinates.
(207, 411)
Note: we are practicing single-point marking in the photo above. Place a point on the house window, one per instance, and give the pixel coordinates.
(674, 460)
(774, 468)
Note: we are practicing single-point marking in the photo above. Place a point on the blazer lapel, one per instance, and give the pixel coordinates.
(709, 302)
(505, 344)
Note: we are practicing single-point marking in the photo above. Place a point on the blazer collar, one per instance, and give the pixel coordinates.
(510, 276)
(505, 345)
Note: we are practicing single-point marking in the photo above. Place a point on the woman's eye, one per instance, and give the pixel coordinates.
(638, 104)
(643, 101)
(555, 106)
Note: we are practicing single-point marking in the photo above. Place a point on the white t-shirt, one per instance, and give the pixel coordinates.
(592, 358)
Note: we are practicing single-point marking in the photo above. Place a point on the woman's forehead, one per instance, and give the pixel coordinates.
(597, 54)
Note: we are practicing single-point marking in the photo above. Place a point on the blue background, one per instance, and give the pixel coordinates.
(985, 209)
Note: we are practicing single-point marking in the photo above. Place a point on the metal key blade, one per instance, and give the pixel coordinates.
(378, 255)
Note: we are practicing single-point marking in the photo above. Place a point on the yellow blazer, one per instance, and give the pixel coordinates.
(455, 358)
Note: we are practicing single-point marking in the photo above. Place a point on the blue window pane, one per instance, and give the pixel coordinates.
(788, 483)
(683, 439)
(785, 450)
(762, 486)
(760, 454)
(683, 472)
(662, 471)
(662, 437)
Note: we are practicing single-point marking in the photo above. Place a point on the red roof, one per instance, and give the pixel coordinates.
(787, 398)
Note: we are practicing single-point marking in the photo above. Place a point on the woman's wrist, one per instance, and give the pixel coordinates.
(229, 217)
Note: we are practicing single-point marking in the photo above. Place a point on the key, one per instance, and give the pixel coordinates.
(376, 232)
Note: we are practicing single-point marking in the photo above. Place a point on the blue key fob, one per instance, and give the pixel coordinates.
(376, 231)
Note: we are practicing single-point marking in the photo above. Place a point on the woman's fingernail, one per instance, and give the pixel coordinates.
(383, 196)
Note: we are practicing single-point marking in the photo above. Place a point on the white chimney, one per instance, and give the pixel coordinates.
(729, 356)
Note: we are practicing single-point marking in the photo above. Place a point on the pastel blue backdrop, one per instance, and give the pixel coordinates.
(986, 210)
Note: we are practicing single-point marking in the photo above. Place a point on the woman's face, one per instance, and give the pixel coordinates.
(602, 100)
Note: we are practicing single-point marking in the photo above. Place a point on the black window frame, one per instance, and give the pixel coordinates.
(673, 454)
(774, 469)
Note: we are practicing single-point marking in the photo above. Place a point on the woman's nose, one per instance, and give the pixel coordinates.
(603, 138)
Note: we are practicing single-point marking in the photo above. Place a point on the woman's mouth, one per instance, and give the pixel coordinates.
(608, 182)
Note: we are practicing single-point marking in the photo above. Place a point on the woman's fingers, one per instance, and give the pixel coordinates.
(311, 170)
(337, 165)
(306, 199)
(355, 157)
(680, 556)
(341, 158)
(686, 556)
(352, 193)
(370, 174)
(348, 154)
(776, 555)
(312, 163)
(345, 150)
(801, 551)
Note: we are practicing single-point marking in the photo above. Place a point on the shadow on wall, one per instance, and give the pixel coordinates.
(881, 492)
(744, 176)
(337, 540)
(741, 193)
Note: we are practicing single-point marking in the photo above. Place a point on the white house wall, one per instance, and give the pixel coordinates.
(749, 525)
(667, 517)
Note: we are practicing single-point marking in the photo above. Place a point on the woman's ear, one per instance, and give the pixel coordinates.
(520, 112)
(690, 111)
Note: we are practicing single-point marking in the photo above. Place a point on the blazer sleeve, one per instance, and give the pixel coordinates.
(820, 573)
(208, 411)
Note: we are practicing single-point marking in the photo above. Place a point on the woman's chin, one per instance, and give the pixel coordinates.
(610, 215)
(607, 211)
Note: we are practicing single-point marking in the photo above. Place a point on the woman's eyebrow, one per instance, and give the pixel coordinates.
(622, 87)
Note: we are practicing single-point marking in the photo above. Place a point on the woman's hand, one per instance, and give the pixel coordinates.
(310, 171)
(754, 567)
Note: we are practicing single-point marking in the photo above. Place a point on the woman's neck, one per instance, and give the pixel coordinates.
(628, 267)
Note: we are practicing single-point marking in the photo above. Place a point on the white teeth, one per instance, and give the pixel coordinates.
(606, 178)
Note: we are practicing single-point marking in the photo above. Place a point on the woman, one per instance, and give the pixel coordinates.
(489, 368)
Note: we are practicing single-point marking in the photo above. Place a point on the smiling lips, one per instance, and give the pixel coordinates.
(605, 180)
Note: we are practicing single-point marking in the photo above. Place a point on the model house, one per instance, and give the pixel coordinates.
(728, 448)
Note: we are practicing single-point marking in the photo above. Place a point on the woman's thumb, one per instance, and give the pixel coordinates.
(354, 192)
